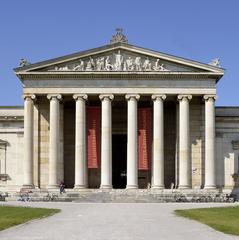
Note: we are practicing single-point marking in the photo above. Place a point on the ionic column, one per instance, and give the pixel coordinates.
(28, 141)
(158, 142)
(184, 147)
(106, 141)
(81, 173)
(54, 141)
(210, 175)
(132, 142)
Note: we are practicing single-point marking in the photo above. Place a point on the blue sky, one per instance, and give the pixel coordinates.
(198, 30)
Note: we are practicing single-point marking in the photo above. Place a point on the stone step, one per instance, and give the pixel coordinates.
(123, 196)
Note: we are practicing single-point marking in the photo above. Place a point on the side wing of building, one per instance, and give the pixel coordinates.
(227, 146)
(11, 147)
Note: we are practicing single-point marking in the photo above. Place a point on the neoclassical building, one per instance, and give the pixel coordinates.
(119, 116)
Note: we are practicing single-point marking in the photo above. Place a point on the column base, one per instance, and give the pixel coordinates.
(28, 186)
(132, 187)
(159, 187)
(210, 187)
(181, 187)
(106, 187)
(79, 187)
(53, 187)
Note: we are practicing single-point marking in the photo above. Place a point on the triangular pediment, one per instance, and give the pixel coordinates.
(118, 58)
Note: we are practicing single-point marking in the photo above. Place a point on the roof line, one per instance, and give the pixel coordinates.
(227, 107)
(11, 107)
(110, 47)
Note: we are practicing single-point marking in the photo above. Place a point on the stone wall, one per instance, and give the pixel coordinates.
(43, 142)
(197, 141)
(11, 147)
(227, 148)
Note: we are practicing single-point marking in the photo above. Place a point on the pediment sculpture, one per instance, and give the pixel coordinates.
(215, 62)
(119, 36)
(114, 62)
(23, 62)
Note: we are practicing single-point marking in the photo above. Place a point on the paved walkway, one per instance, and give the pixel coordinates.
(111, 221)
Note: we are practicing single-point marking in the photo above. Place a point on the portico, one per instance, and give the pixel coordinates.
(161, 105)
(157, 161)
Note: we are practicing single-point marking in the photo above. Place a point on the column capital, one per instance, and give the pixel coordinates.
(80, 97)
(106, 96)
(54, 96)
(156, 97)
(29, 96)
(135, 96)
(210, 98)
(182, 97)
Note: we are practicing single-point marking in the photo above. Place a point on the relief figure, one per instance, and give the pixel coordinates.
(118, 61)
(108, 65)
(138, 65)
(158, 67)
(100, 64)
(90, 65)
(63, 68)
(147, 65)
(79, 67)
(129, 64)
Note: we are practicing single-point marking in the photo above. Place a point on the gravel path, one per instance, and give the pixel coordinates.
(111, 221)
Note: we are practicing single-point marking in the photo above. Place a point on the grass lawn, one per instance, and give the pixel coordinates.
(10, 216)
(224, 219)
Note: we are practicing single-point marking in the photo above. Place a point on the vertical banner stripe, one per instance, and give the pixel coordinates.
(144, 138)
(93, 136)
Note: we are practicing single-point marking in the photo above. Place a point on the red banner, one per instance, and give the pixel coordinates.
(144, 138)
(93, 125)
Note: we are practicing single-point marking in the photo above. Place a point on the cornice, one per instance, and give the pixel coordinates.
(117, 75)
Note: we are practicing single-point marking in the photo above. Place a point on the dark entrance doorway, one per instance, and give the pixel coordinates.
(119, 156)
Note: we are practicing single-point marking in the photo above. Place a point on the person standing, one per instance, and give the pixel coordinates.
(62, 187)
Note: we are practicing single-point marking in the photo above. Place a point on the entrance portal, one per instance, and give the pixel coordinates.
(119, 160)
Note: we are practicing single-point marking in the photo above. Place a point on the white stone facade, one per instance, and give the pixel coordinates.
(191, 148)
(11, 147)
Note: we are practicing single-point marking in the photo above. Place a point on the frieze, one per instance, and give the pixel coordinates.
(113, 62)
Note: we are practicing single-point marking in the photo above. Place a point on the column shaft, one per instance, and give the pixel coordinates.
(81, 171)
(106, 141)
(210, 175)
(28, 141)
(158, 142)
(132, 142)
(184, 146)
(54, 143)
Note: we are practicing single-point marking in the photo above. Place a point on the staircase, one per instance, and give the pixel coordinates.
(117, 196)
